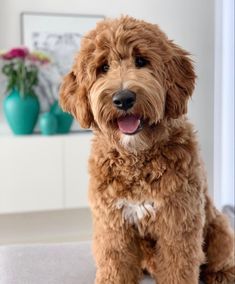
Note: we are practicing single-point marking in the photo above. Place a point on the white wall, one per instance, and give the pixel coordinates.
(189, 22)
(224, 104)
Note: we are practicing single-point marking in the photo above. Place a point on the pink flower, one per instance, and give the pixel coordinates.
(20, 52)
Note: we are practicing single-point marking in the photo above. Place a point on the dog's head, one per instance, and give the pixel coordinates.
(127, 77)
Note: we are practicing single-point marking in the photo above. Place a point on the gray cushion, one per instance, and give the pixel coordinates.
(48, 264)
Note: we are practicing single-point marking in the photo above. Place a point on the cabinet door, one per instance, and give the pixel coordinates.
(31, 176)
(77, 149)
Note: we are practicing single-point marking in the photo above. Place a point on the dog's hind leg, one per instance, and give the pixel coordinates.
(219, 249)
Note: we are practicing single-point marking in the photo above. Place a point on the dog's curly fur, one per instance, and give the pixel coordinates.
(148, 191)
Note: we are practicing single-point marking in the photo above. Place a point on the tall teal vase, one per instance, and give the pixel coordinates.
(21, 113)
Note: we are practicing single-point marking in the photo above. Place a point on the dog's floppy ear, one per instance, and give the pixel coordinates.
(180, 82)
(73, 99)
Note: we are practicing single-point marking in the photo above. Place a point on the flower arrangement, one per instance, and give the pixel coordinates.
(21, 69)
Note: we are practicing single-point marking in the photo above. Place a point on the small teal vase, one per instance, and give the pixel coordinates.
(48, 123)
(21, 113)
(64, 119)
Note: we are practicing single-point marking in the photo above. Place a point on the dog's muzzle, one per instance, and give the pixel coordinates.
(128, 123)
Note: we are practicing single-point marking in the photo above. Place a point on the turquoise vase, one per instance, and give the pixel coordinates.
(21, 112)
(48, 123)
(64, 119)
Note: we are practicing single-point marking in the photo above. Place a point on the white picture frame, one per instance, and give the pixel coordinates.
(59, 36)
(47, 30)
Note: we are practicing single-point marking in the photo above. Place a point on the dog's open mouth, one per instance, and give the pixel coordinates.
(129, 124)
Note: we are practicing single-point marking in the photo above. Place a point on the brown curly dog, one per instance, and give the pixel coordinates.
(148, 192)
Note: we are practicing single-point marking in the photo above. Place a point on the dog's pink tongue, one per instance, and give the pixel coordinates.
(128, 124)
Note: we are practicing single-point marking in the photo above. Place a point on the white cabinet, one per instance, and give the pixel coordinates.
(76, 170)
(30, 174)
(43, 173)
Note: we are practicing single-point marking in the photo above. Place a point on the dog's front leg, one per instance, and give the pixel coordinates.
(180, 240)
(117, 256)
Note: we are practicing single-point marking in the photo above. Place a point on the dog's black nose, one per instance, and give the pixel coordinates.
(124, 99)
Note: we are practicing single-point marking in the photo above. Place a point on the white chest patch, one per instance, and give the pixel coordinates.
(133, 142)
(133, 213)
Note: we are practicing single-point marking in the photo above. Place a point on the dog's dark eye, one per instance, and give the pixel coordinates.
(104, 68)
(140, 62)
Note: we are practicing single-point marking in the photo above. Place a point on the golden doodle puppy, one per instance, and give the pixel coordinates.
(148, 191)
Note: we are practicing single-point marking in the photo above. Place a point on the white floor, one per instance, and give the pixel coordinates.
(43, 227)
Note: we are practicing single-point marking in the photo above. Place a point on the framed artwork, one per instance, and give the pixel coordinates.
(56, 34)
(59, 36)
